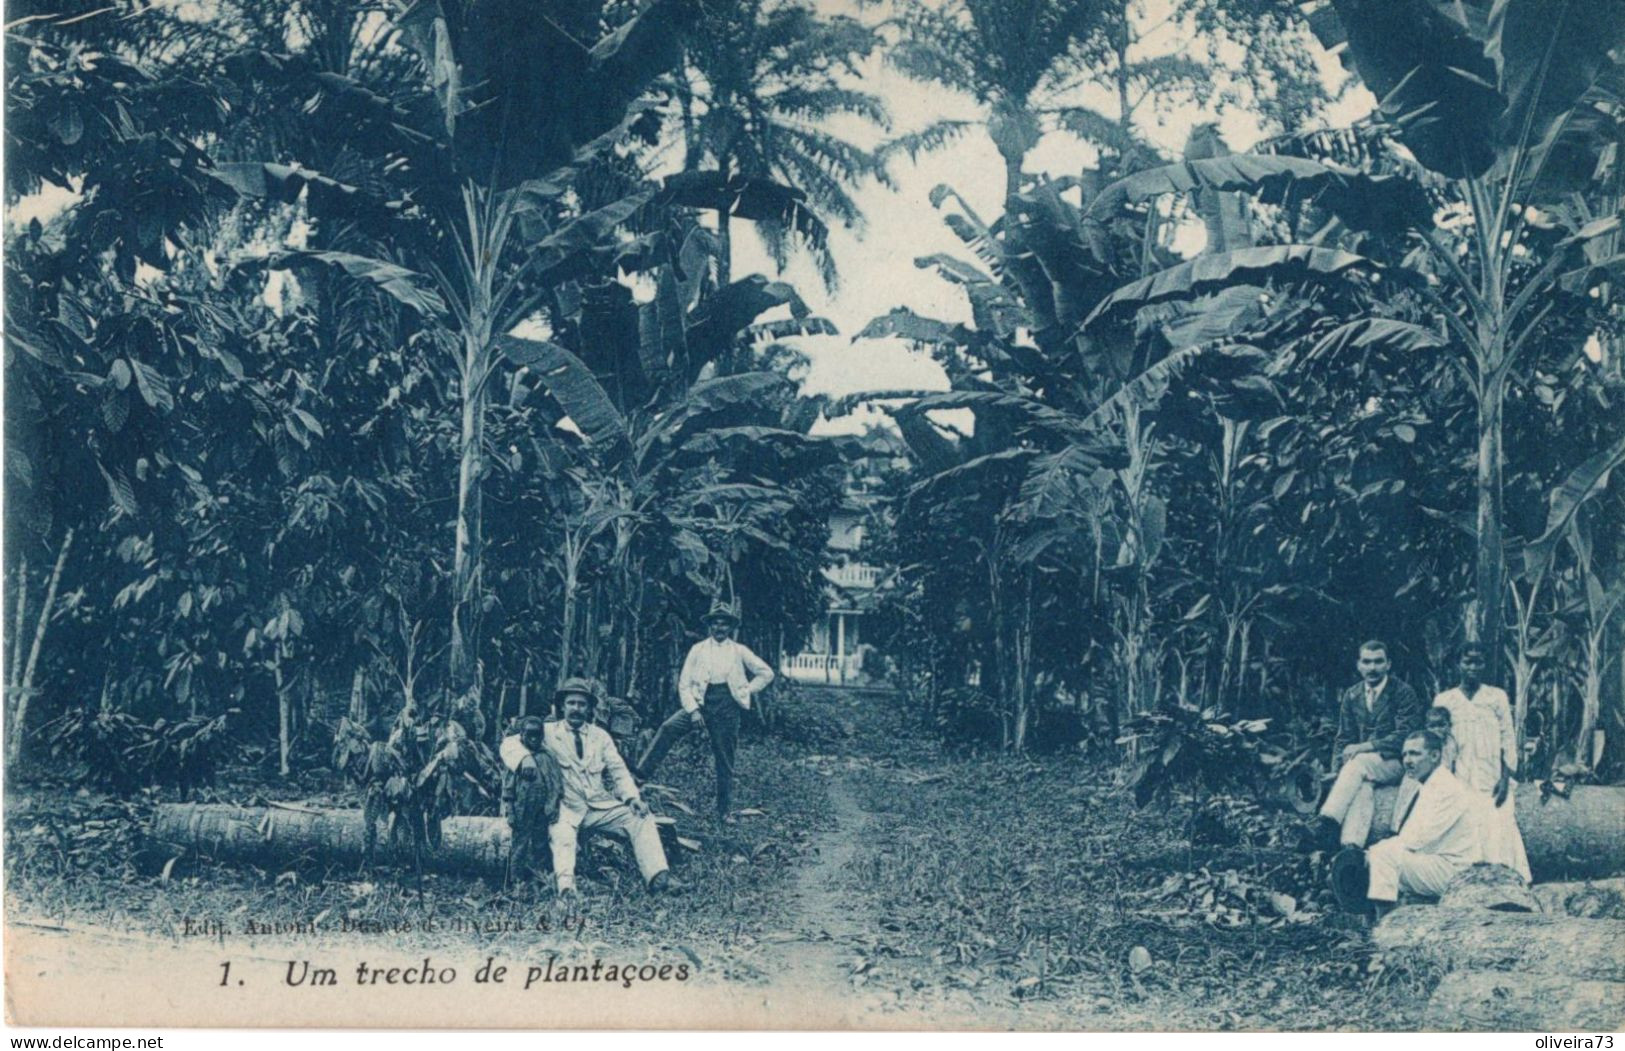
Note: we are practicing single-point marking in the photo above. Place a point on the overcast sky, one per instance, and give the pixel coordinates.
(877, 263)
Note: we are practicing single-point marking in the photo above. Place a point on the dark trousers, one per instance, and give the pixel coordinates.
(722, 715)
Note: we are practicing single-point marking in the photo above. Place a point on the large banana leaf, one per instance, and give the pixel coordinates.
(326, 198)
(1222, 315)
(993, 308)
(727, 392)
(1425, 62)
(1030, 410)
(1281, 264)
(1054, 482)
(730, 311)
(992, 476)
(1385, 203)
(754, 444)
(739, 196)
(1582, 483)
(567, 252)
(1374, 334)
(932, 451)
(662, 337)
(743, 390)
(1467, 81)
(405, 286)
(903, 323)
(1045, 241)
(571, 384)
(519, 88)
(1547, 55)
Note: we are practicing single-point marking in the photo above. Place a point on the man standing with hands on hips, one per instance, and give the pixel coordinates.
(718, 680)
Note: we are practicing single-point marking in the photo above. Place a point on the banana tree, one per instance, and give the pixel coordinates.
(1595, 606)
(655, 420)
(1508, 106)
(479, 162)
(1040, 384)
(503, 204)
(1596, 601)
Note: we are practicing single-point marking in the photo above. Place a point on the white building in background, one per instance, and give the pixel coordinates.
(836, 654)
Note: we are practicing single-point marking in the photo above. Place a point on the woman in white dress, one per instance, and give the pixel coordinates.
(1481, 723)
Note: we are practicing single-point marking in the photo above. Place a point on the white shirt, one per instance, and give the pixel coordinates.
(1373, 692)
(1483, 729)
(712, 663)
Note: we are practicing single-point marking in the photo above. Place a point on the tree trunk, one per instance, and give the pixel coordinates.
(1596, 899)
(567, 629)
(1519, 942)
(1491, 568)
(1590, 696)
(1489, 887)
(469, 544)
(25, 689)
(725, 251)
(282, 833)
(1583, 835)
(1512, 1003)
(358, 697)
(283, 714)
(14, 667)
(1012, 179)
(1023, 662)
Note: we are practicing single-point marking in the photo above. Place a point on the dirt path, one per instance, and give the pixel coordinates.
(824, 961)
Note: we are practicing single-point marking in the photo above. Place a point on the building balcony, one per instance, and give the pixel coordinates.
(821, 667)
(853, 575)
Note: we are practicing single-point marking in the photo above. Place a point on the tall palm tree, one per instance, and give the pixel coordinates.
(1026, 61)
(1012, 56)
(763, 78)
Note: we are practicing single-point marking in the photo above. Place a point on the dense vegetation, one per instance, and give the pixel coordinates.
(364, 357)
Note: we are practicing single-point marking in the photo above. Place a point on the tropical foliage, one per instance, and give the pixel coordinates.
(370, 359)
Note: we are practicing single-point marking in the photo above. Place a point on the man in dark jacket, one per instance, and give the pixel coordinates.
(1374, 717)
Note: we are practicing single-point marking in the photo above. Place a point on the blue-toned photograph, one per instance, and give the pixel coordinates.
(1084, 515)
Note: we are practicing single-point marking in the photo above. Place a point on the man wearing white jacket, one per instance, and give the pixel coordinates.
(1438, 833)
(597, 793)
(719, 678)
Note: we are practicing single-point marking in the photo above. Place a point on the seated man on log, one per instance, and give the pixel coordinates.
(532, 789)
(1374, 715)
(1438, 834)
(599, 793)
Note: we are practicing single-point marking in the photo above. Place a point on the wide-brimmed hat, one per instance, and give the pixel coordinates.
(721, 611)
(585, 687)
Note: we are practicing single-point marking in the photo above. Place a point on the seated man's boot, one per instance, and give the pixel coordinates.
(663, 883)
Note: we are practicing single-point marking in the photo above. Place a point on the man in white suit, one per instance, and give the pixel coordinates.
(1437, 833)
(599, 793)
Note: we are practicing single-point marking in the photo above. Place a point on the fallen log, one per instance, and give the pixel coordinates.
(1511, 1003)
(1521, 943)
(1595, 899)
(288, 835)
(1583, 835)
(1484, 886)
